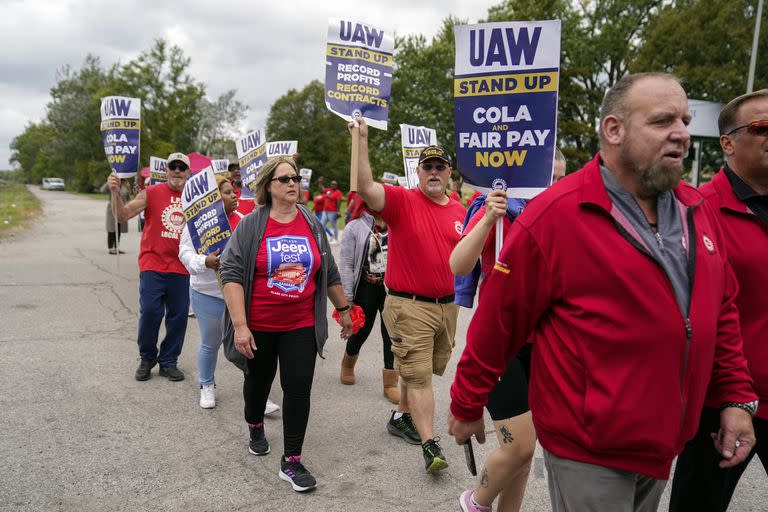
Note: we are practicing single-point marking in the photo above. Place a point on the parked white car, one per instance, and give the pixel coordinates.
(53, 184)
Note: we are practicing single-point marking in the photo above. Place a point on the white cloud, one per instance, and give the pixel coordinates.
(260, 48)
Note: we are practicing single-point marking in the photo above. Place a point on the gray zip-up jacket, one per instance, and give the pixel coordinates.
(238, 262)
(354, 247)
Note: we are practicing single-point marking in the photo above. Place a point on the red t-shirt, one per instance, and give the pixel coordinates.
(245, 205)
(317, 203)
(422, 235)
(163, 223)
(283, 297)
(488, 256)
(332, 200)
(234, 219)
(455, 196)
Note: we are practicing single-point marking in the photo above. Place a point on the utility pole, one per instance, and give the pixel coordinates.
(755, 39)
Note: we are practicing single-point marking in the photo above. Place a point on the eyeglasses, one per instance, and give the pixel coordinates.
(438, 167)
(285, 179)
(754, 128)
(177, 166)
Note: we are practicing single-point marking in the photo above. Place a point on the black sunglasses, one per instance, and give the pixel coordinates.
(178, 166)
(285, 179)
(754, 128)
(438, 167)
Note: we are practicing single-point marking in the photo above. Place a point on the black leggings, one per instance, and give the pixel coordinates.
(111, 239)
(296, 350)
(371, 297)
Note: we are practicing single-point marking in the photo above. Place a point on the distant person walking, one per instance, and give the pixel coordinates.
(113, 231)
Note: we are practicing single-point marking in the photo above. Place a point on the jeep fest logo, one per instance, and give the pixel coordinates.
(173, 219)
(289, 262)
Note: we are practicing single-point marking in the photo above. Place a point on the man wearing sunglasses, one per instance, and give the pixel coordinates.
(163, 279)
(739, 195)
(419, 312)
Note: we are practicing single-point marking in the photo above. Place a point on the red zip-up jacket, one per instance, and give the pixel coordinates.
(746, 238)
(619, 374)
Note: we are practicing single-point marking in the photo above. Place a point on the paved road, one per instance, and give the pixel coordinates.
(79, 433)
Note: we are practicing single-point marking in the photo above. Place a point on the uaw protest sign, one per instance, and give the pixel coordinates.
(414, 139)
(358, 72)
(251, 154)
(505, 105)
(121, 133)
(204, 212)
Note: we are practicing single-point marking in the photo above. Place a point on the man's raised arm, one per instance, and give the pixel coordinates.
(371, 191)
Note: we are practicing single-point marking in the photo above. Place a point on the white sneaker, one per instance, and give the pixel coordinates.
(271, 407)
(208, 396)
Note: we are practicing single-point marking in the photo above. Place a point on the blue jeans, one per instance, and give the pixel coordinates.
(331, 217)
(162, 295)
(210, 316)
(321, 216)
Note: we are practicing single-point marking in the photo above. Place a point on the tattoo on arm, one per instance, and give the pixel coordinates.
(506, 435)
(484, 478)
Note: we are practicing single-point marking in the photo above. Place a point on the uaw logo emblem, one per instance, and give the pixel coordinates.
(499, 184)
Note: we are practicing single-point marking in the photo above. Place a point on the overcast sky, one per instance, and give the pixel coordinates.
(261, 48)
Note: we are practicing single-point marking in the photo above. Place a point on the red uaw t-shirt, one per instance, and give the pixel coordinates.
(488, 256)
(332, 199)
(283, 297)
(422, 235)
(163, 223)
(234, 219)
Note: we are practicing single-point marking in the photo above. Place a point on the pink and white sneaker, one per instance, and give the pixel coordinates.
(467, 502)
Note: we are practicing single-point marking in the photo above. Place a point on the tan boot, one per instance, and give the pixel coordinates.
(391, 385)
(348, 369)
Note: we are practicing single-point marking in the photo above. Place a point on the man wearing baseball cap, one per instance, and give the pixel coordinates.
(163, 280)
(419, 312)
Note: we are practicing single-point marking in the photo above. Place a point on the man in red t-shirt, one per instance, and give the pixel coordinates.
(163, 279)
(419, 313)
(333, 197)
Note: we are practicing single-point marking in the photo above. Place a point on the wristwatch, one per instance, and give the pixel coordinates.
(750, 407)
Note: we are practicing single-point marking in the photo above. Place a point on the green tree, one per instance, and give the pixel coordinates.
(219, 124)
(29, 146)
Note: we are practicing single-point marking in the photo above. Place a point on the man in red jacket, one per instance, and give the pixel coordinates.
(163, 279)
(739, 196)
(619, 273)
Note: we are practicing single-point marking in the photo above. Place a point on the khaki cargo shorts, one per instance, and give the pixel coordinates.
(422, 337)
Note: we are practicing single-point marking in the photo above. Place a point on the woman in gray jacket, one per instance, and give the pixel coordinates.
(276, 272)
(362, 265)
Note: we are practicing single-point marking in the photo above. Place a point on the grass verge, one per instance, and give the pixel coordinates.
(17, 206)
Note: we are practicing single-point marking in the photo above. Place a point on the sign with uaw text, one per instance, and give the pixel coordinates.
(414, 140)
(157, 170)
(505, 105)
(286, 148)
(121, 133)
(204, 212)
(220, 166)
(251, 154)
(358, 72)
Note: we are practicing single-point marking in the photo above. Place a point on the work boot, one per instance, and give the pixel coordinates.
(171, 373)
(348, 369)
(144, 371)
(391, 388)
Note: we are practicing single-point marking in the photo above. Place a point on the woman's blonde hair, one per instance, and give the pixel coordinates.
(266, 173)
(220, 180)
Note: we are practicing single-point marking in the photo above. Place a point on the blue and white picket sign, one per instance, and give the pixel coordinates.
(358, 72)
(121, 133)
(389, 177)
(282, 148)
(305, 173)
(414, 140)
(204, 212)
(505, 101)
(251, 153)
(157, 170)
(220, 166)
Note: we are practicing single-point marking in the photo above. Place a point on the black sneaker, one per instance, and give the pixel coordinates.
(293, 471)
(259, 444)
(404, 428)
(172, 373)
(434, 458)
(144, 371)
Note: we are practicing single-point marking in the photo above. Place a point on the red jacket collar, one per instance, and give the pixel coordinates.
(728, 198)
(593, 189)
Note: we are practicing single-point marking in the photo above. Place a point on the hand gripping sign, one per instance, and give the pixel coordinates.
(204, 212)
(251, 154)
(505, 100)
(358, 76)
(120, 131)
(157, 170)
(414, 139)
